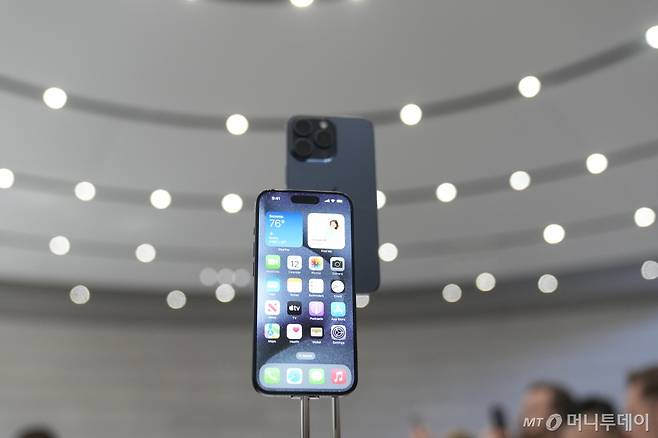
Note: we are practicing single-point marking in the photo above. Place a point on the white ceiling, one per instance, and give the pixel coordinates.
(349, 56)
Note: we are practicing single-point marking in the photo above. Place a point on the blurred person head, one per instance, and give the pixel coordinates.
(589, 412)
(37, 432)
(541, 400)
(642, 399)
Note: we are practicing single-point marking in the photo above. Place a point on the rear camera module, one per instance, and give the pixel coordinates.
(323, 138)
(303, 127)
(303, 148)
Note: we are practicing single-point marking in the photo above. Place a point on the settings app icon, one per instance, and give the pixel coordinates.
(338, 332)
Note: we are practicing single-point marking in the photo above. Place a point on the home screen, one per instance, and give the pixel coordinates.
(305, 299)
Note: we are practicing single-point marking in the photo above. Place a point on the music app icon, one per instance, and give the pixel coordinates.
(338, 376)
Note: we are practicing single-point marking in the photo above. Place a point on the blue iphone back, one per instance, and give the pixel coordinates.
(338, 154)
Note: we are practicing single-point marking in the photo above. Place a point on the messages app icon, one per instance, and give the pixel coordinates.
(283, 229)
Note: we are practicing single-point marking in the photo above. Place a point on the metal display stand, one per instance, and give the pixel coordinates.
(305, 417)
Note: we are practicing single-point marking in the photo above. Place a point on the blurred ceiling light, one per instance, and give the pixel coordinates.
(160, 199)
(362, 300)
(59, 245)
(232, 203)
(388, 252)
(301, 3)
(208, 277)
(652, 36)
(225, 275)
(176, 299)
(6, 178)
(79, 294)
(446, 192)
(650, 270)
(225, 293)
(381, 199)
(547, 283)
(596, 163)
(485, 282)
(237, 124)
(145, 253)
(411, 114)
(644, 217)
(55, 98)
(519, 180)
(452, 293)
(85, 191)
(530, 86)
(242, 278)
(554, 233)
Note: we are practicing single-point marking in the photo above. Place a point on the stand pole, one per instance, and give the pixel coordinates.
(305, 431)
(335, 417)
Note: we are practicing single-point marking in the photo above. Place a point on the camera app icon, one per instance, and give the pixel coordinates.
(337, 264)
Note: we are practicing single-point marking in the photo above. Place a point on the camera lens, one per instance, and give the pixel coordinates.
(324, 138)
(303, 148)
(303, 127)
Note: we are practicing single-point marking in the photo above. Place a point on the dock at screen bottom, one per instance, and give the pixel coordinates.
(300, 377)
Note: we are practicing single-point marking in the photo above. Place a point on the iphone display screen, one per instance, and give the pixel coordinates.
(304, 337)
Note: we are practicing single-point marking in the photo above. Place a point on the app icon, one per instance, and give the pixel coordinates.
(316, 308)
(272, 261)
(315, 263)
(273, 284)
(316, 286)
(272, 331)
(284, 229)
(294, 376)
(272, 307)
(294, 263)
(337, 264)
(317, 332)
(338, 309)
(338, 376)
(294, 307)
(338, 332)
(316, 376)
(326, 231)
(294, 331)
(337, 286)
(294, 285)
(271, 376)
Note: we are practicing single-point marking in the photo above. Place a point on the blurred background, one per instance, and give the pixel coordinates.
(516, 158)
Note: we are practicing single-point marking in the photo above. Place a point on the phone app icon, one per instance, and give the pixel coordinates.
(294, 376)
(271, 376)
(338, 309)
(273, 284)
(315, 263)
(272, 262)
(294, 307)
(272, 331)
(337, 264)
(294, 285)
(294, 263)
(294, 331)
(317, 332)
(316, 286)
(316, 308)
(338, 376)
(338, 332)
(337, 286)
(272, 307)
(316, 376)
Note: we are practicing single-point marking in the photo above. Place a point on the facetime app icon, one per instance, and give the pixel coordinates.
(326, 231)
